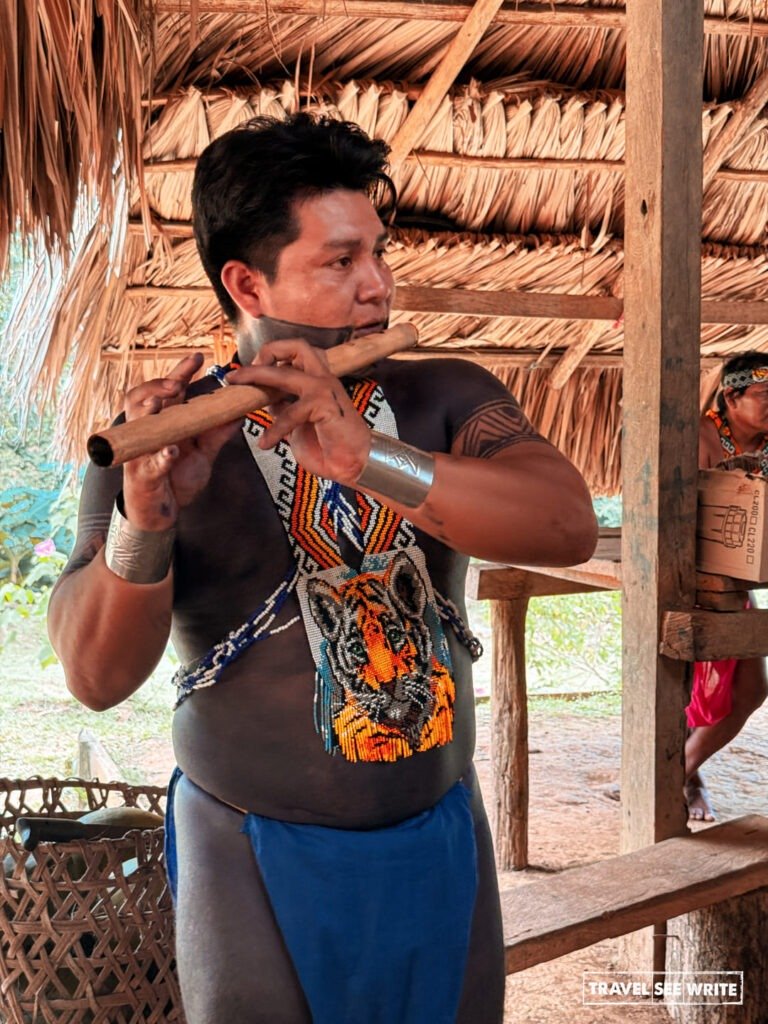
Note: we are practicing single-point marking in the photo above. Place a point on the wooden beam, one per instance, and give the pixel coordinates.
(700, 635)
(574, 356)
(485, 355)
(542, 15)
(509, 735)
(488, 582)
(662, 288)
(542, 305)
(448, 300)
(173, 228)
(441, 80)
(577, 908)
(743, 115)
(434, 158)
(503, 304)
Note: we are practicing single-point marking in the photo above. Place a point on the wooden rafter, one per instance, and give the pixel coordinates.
(536, 305)
(552, 15)
(443, 77)
(433, 158)
(573, 357)
(744, 114)
(484, 355)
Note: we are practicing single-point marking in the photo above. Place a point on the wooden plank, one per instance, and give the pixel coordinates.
(485, 355)
(577, 908)
(444, 300)
(460, 49)
(507, 164)
(725, 584)
(573, 357)
(721, 311)
(545, 15)
(487, 581)
(662, 298)
(509, 735)
(549, 15)
(503, 304)
(701, 635)
(744, 114)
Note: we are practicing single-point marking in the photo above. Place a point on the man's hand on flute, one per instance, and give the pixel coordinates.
(155, 486)
(326, 434)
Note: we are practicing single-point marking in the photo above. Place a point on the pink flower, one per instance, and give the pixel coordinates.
(45, 547)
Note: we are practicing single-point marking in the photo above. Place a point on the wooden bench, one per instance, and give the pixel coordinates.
(696, 634)
(549, 918)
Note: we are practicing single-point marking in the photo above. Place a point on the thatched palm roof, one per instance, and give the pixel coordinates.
(511, 192)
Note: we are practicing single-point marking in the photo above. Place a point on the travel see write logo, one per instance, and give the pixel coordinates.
(686, 988)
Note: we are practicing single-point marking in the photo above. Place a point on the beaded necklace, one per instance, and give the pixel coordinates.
(383, 678)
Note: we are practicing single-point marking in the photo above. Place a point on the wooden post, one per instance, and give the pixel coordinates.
(728, 936)
(94, 760)
(661, 378)
(509, 736)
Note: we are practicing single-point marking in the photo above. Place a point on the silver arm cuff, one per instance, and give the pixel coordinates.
(139, 556)
(397, 470)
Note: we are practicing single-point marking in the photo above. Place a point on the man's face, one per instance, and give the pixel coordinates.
(334, 274)
(752, 406)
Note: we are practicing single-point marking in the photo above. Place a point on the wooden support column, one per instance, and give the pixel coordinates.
(660, 409)
(509, 735)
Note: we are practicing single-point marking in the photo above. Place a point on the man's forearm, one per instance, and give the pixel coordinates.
(108, 633)
(527, 507)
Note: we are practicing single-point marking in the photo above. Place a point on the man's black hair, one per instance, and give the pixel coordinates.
(742, 361)
(248, 180)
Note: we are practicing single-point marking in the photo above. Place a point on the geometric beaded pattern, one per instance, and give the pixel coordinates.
(383, 683)
(313, 510)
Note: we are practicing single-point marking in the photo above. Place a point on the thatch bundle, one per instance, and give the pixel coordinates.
(514, 184)
(70, 112)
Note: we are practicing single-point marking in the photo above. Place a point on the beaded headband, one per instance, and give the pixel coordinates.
(744, 378)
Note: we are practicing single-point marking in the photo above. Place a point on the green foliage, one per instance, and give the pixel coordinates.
(36, 529)
(573, 641)
(30, 517)
(608, 511)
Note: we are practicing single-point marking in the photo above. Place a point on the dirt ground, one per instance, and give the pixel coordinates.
(575, 819)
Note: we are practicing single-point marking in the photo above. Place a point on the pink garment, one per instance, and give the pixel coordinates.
(711, 693)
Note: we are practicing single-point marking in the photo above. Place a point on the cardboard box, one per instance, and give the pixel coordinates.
(732, 528)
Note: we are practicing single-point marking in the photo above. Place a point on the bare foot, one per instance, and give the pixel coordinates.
(697, 797)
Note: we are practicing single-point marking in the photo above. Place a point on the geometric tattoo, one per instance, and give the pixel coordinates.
(493, 427)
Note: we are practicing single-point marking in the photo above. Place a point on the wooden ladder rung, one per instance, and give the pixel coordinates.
(549, 918)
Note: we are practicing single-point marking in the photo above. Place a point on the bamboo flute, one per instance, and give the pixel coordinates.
(174, 423)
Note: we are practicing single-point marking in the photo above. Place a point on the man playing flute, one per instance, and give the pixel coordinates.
(327, 842)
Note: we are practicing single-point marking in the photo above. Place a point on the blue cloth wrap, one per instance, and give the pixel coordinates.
(377, 922)
(169, 837)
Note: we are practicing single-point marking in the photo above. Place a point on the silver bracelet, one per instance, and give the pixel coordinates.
(139, 556)
(397, 470)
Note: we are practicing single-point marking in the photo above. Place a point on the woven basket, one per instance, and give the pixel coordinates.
(84, 936)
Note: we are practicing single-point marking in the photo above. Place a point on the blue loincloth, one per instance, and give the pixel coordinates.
(377, 922)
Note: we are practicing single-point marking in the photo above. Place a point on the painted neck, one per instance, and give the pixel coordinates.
(266, 328)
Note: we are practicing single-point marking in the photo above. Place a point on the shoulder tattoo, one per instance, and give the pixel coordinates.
(493, 427)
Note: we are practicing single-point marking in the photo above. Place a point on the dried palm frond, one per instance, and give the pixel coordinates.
(70, 113)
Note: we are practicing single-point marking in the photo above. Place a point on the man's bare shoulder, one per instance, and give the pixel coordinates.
(478, 414)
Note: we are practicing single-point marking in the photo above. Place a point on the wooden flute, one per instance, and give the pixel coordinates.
(174, 423)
